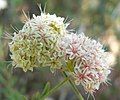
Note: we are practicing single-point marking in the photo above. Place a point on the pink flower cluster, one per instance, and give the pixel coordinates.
(90, 65)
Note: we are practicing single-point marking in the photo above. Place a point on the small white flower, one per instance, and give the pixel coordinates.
(70, 44)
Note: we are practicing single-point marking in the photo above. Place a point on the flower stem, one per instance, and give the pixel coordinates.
(55, 88)
(74, 87)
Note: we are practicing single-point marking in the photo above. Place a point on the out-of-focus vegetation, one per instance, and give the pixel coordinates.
(96, 18)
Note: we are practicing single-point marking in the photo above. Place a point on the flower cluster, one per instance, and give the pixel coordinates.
(45, 41)
(90, 65)
(35, 44)
(25, 48)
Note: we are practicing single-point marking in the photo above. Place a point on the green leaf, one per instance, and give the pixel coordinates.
(46, 89)
(38, 96)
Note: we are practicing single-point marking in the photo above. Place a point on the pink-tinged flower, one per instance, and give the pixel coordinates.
(46, 23)
(91, 65)
(70, 45)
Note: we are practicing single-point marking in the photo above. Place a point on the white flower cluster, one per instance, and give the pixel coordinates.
(90, 65)
(45, 41)
(35, 44)
(25, 48)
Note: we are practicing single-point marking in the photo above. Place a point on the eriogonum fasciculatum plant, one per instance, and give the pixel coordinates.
(45, 41)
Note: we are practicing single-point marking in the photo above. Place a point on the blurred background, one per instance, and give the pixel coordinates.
(99, 19)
